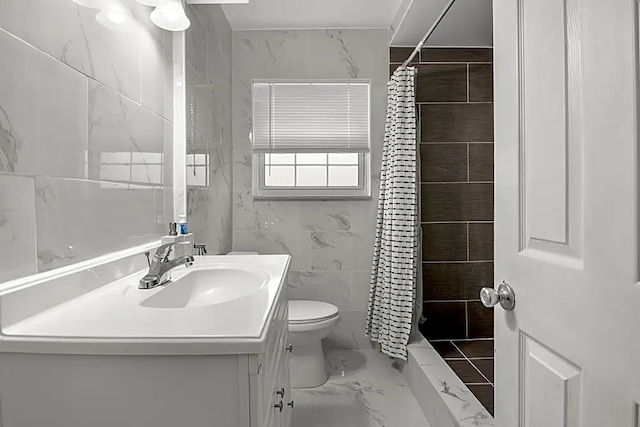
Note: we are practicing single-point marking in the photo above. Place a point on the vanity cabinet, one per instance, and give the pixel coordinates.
(171, 382)
(269, 376)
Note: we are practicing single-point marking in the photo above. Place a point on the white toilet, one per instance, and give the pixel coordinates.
(309, 323)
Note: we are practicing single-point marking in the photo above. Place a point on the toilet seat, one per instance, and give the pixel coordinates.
(295, 328)
(303, 312)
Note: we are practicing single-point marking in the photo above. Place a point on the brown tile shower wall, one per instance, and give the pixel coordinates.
(454, 101)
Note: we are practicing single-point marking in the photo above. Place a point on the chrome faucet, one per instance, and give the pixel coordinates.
(160, 266)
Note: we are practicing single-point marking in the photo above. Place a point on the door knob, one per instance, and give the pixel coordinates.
(504, 296)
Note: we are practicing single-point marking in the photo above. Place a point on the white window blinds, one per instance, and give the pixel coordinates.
(302, 116)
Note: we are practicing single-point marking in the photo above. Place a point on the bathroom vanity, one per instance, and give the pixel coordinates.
(209, 349)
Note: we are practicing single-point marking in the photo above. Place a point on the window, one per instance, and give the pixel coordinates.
(197, 170)
(311, 139)
(127, 167)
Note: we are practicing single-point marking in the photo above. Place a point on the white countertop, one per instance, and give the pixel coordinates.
(109, 320)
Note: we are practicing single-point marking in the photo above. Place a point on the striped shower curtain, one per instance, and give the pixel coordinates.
(393, 279)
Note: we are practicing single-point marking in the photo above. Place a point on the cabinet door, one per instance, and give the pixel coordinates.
(267, 383)
(283, 418)
(288, 410)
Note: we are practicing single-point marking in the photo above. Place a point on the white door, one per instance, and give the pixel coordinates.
(566, 213)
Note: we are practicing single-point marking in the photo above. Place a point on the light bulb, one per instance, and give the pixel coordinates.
(171, 16)
(173, 12)
(115, 16)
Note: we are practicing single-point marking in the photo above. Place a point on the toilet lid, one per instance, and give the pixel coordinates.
(311, 311)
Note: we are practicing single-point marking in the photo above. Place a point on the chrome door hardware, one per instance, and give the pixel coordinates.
(504, 296)
(280, 392)
(200, 249)
(279, 405)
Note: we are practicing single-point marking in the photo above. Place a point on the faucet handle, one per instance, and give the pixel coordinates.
(162, 254)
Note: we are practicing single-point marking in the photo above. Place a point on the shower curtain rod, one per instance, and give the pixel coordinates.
(426, 36)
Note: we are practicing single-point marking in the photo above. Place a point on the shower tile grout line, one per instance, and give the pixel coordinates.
(431, 143)
(445, 63)
(468, 162)
(453, 222)
(453, 102)
(466, 319)
(457, 182)
(472, 364)
(468, 88)
(456, 262)
(471, 359)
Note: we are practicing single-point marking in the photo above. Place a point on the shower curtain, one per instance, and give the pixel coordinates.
(393, 279)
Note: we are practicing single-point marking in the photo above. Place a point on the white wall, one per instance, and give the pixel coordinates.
(208, 79)
(331, 242)
(71, 93)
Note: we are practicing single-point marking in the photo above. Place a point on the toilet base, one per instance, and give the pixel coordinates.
(307, 364)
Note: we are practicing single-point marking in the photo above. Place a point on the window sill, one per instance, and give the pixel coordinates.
(294, 198)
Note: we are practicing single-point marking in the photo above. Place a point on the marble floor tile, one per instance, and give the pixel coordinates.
(365, 389)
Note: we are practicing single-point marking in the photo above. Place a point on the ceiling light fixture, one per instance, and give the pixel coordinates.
(115, 16)
(171, 16)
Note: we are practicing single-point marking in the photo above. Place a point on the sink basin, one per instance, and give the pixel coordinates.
(199, 287)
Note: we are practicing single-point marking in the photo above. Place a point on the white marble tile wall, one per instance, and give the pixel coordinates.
(17, 233)
(331, 242)
(77, 219)
(208, 77)
(73, 94)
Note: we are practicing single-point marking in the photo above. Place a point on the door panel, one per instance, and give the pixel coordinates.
(543, 56)
(550, 382)
(551, 162)
(566, 197)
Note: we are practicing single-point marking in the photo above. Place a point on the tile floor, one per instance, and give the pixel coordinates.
(365, 389)
(472, 361)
